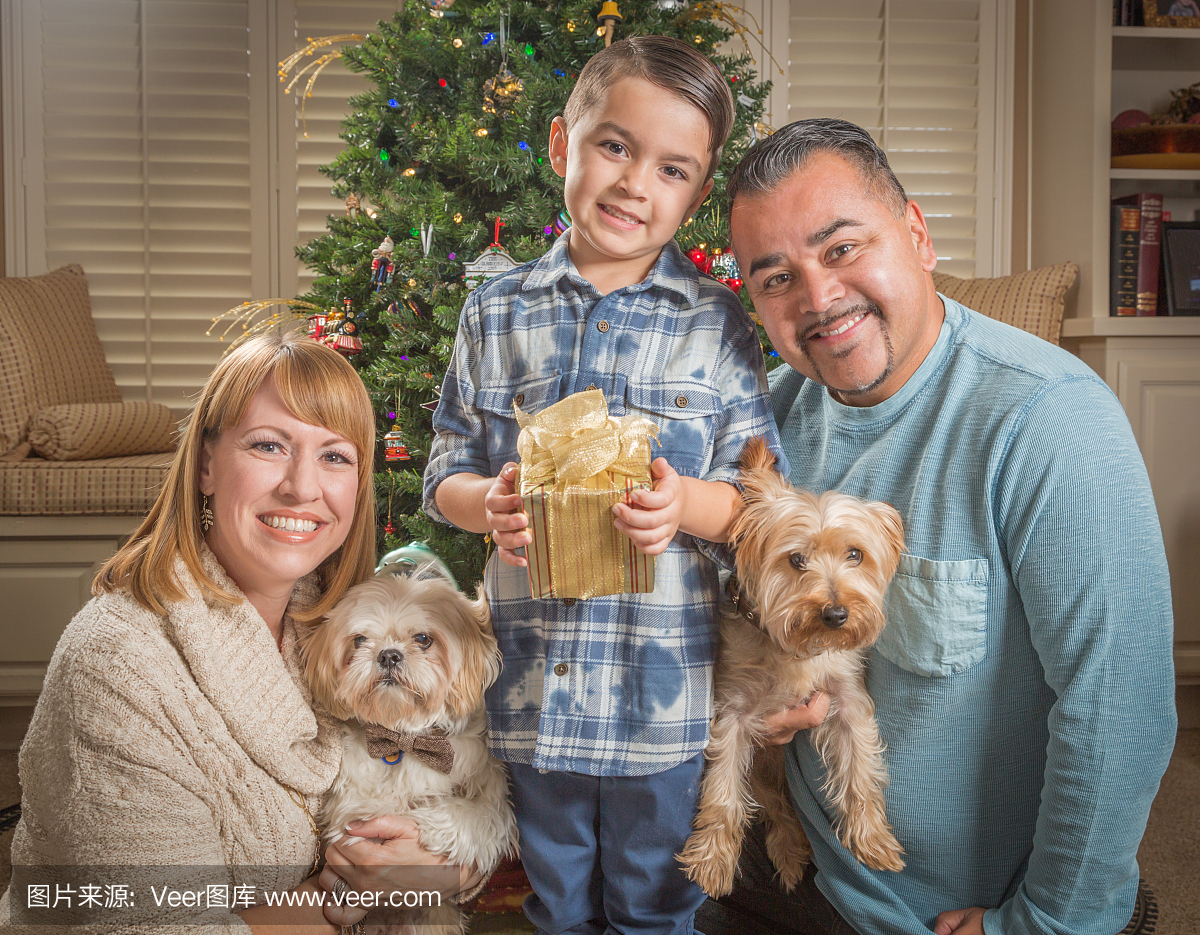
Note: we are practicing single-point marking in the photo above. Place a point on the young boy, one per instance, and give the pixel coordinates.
(602, 710)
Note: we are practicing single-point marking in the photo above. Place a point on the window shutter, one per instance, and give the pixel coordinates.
(325, 110)
(919, 76)
(145, 135)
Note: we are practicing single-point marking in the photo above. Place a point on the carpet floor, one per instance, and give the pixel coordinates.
(1169, 855)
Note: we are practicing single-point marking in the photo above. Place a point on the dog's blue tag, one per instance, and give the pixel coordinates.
(390, 762)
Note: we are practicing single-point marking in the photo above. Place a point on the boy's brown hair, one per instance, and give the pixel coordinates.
(669, 63)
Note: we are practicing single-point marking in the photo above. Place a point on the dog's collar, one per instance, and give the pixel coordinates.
(741, 603)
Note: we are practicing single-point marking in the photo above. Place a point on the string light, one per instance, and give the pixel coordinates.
(442, 82)
(570, 25)
(457, 43)
(392, 102)
(488, 38)
(528, 48)
(383, 155)
(410, 172)
(457, 220)
(522, 145)
(482, 131)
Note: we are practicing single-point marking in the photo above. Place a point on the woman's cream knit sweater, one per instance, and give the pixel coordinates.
(168, 740)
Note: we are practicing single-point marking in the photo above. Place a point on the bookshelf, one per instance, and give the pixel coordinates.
(1084, 71)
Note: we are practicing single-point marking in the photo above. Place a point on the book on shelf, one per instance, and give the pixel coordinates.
(1124, 228)
(1149, 206)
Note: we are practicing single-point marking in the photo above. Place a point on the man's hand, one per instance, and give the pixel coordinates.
(960, 922)
(800, 717)
(506, 518)
(652, 521)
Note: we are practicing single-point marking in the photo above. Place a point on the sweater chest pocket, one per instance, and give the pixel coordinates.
(936, 616)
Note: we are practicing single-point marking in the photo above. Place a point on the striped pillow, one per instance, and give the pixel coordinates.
(49, 351)
(1033, 301)
(87, 431)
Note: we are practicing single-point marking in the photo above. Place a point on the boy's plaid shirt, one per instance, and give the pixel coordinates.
(622, 685)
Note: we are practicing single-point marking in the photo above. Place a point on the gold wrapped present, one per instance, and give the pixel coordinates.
(577, 462)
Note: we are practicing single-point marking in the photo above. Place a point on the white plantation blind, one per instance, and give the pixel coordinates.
(325, 110)
(920, 75)
(145, 176)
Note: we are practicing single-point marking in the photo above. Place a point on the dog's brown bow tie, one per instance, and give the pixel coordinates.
(433, 749)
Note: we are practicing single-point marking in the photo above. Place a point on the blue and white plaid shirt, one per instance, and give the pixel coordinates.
(621, 685)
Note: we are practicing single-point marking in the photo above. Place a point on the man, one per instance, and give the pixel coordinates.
(1023, 684)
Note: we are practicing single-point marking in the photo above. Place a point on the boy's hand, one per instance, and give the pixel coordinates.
(506, 518)
(653, 520)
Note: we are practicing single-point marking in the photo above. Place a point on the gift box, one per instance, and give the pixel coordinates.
(577, 462)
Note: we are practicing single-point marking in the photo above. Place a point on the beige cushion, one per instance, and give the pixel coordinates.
(49, 351)
(34, 487)
(79, 431)
(1033, 301)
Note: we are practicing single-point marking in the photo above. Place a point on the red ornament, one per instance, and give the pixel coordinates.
(735, 284)
(389, 528)
(394, 448)
(700, 258)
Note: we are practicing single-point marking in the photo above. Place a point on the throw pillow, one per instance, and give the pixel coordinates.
(84, 431)
(49, 353)
(1033, 301)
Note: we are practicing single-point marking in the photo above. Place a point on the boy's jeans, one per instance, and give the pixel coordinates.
(600, 850)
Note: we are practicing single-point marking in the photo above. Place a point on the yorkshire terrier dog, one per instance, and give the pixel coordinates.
(404, 662)
(813, 570)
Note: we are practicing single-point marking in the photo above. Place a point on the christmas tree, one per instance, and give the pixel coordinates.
(445, 163)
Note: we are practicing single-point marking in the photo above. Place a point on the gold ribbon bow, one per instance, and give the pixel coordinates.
(580, 461)
(433, 749)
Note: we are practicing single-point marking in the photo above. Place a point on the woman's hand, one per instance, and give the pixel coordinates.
(385, 856)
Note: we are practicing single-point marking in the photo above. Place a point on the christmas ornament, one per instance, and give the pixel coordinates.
(342, 333)
(426, 238)
(608, 18)
(670, 6)
(724, 267)
(352, 206)
(382, 266)
(700, 258)
(394, 448)
(501, 93)
(561, 223)
(414, 558)
(494, 261)
(316, 325)
(389, 529)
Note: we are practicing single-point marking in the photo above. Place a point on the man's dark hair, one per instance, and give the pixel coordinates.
(671, 64)
(771, 162)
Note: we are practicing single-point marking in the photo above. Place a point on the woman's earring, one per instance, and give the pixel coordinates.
(206, 515)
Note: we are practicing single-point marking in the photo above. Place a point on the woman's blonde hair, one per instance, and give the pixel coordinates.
(318, 385)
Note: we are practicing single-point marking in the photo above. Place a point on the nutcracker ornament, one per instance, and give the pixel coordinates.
(382, 266)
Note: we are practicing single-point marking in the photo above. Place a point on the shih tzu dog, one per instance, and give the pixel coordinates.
(404, 661)
(813, 571)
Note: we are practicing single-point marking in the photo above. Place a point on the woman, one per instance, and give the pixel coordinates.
(174, 727)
